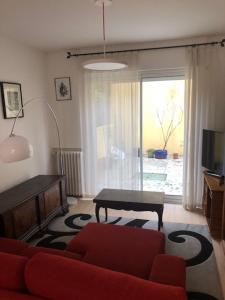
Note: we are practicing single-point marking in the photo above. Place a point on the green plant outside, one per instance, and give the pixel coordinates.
(151, 153)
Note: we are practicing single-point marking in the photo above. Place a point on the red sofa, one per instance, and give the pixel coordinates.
(84, 273)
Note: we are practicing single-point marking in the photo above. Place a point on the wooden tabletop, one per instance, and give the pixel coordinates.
(213, 183)
(130, 196)
(26, 190)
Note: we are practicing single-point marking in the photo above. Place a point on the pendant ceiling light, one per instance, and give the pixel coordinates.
(104, 64)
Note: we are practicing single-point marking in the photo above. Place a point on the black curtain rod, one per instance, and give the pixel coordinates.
(221, 43)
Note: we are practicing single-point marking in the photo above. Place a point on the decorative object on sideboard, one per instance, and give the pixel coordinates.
(105, 63)
(12, 101)
(63, 89)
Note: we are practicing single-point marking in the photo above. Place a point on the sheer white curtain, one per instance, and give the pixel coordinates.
(110, 130)
(204, 108)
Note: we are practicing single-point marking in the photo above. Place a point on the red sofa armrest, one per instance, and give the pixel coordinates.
(168, 269)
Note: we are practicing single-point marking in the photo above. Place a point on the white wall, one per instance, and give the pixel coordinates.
(68, 112)
(25, 65)
(58, 65)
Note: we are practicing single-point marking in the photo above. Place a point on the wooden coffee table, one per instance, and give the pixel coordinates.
(130, 200)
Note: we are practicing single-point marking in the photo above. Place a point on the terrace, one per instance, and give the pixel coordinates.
(163, 131)
(163, 175)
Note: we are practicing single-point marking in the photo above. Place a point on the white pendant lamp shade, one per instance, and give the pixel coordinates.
(15, 148)
(104, 64)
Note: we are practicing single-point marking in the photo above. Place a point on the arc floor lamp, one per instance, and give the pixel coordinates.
(17, 148)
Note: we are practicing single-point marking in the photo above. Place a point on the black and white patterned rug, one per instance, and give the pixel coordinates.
(192, 242)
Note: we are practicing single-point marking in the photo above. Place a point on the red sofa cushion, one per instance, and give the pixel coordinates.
(31, 251)
(12, 271)
(12, 246)
(10, 295)
(169, 269)
(119, 248)
(82, 281)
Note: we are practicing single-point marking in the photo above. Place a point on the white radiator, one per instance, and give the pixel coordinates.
(72, 168)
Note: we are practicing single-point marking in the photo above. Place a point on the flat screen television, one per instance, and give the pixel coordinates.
(213, 151)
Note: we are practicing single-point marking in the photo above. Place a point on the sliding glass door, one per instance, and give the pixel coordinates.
(162, 135)
(132, 142)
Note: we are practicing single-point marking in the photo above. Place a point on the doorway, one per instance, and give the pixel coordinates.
(162, 135)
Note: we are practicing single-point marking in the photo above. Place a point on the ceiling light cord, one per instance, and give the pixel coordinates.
(103, 64)
(103, 24)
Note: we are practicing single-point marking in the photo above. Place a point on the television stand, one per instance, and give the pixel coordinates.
(214, 206)
(220, 177)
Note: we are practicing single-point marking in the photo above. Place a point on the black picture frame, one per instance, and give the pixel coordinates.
(12, 100)
(63, 89)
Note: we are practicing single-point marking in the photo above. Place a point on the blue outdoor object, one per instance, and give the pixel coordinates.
(161, 154)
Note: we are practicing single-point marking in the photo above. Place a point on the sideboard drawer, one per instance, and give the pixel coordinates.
(28, 207)
(51, 200)
(24, 217)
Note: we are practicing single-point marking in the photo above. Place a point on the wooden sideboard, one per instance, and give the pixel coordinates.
(214, 206)
(28, 207)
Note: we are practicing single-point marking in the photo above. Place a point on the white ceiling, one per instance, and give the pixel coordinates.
(59, 24)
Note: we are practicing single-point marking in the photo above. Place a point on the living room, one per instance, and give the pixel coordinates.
(95, 127)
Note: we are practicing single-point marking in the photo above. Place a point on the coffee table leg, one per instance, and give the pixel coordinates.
(97, 208)
(160, 215)
(106, 214)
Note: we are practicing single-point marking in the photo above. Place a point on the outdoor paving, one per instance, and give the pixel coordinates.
(171, 184)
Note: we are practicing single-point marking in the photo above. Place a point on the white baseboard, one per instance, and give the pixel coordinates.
(173, 199)
(72, 200)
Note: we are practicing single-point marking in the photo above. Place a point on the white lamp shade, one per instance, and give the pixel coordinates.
(104, 64)
(15, 148)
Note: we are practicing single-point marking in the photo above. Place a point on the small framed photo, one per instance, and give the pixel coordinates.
(12, 101)
(63, 89)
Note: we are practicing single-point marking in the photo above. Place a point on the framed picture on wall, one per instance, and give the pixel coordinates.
(12, 101)
(63, 89)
